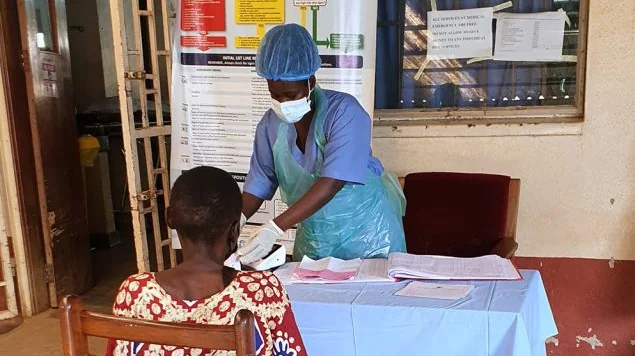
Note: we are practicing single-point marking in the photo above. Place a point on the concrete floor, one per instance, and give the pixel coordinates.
(40, 335)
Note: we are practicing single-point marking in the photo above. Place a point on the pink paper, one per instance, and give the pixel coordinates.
(325, 274)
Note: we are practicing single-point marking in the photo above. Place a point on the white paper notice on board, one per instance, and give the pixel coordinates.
(460, 33)
(529, 37)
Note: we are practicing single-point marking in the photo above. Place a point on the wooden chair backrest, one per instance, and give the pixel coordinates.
(512, 207)
(77, 324)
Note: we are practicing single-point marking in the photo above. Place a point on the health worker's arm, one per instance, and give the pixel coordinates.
(251, 204)
(261, 183)
(346, 156)
(320, 193)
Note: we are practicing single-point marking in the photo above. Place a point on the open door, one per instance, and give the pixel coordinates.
(142, 52)
(46, 62)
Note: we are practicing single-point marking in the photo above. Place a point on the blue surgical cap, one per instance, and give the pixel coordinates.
(287, 53)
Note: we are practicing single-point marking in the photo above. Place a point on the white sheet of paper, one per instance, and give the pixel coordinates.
(233, 262)
(286, 273)
(331, 264)
(436, 291)
(536, 37)
(460, 33)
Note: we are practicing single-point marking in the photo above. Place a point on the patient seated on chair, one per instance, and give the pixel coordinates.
(205, 209)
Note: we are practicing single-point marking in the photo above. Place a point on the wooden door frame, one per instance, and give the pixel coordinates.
(54, 207)
(26, 227)
(10, 309)
(30, 56)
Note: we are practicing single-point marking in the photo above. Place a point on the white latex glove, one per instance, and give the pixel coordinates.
(243, 220)
(260, 243)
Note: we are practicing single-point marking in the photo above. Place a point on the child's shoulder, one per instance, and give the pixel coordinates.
(257, 275)
(261, 286)
(131, 293)
(137, 281)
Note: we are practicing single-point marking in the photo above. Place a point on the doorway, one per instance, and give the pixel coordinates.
(82, 231)
(124, 104)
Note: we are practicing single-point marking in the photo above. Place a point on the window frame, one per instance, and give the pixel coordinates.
(507, 115)
(52, 8)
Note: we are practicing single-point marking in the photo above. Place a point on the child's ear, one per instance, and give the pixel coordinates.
(232, 237)
(236, 230)
(168, 217)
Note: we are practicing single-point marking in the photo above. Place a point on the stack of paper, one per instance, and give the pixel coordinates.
(329, 268)
(373, 270)
(436, 291)
(398, 266)
(491, 267)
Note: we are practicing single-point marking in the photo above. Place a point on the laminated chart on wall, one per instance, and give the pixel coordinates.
(217, 97)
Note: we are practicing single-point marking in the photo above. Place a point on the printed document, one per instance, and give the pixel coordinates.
(460, 33)
(536, 37)
(490, 267)
(436, 291)
(405, 266)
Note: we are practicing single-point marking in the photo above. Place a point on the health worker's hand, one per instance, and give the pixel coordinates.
(260, 243)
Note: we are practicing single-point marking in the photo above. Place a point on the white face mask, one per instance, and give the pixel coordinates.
(292, 111)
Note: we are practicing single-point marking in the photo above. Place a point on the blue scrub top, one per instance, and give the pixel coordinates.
(347, 154)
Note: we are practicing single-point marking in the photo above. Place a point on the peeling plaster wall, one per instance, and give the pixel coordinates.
(592, 303)
(578, 190)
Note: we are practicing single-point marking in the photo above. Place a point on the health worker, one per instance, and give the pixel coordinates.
(314, 144)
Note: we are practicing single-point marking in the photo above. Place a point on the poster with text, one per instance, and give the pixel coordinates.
(218, 99)
(460, 33)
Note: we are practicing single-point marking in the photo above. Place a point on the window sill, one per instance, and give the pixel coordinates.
(521, 121)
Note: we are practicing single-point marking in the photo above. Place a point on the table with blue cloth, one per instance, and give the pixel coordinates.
(497, 318)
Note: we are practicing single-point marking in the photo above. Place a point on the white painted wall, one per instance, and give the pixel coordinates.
(107, 51)
(578, 181)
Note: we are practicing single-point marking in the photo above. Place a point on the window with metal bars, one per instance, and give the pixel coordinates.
(455, 84)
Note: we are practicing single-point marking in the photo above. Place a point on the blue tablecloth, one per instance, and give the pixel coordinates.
(498, 318)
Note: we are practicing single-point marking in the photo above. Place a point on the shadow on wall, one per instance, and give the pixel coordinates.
(628, 242)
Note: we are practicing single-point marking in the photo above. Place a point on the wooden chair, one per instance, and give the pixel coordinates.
(461, 214)
(77, 324)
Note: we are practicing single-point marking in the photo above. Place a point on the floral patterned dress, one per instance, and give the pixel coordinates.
(141, 297)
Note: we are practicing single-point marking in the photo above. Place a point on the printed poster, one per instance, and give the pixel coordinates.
(218, 99)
